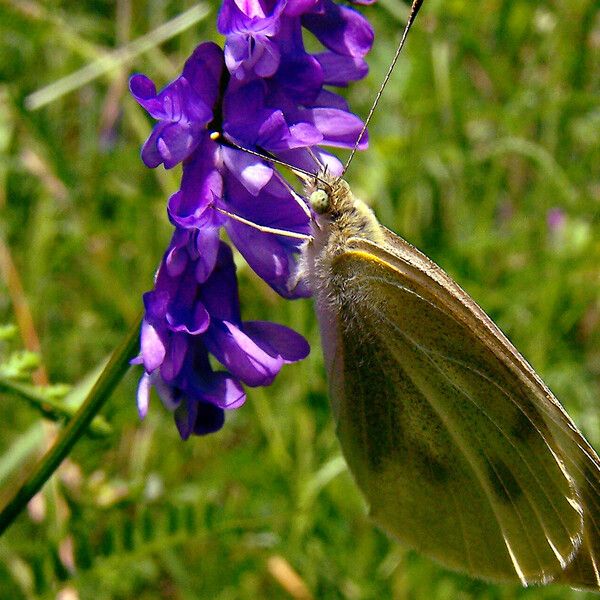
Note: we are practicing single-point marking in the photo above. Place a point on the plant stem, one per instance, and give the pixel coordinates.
(51, 408)
(109, 378)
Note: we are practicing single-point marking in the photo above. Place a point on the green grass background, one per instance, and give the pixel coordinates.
(492, 120)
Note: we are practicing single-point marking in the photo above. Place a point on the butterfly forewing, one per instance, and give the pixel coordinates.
(459, 448)
(579, 458)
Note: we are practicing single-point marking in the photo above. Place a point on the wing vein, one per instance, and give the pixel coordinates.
(506, 394)
(428, 393)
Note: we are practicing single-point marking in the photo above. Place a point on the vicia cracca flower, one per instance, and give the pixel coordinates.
(264, 92)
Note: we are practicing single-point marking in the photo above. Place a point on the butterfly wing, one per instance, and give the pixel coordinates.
(460, 449)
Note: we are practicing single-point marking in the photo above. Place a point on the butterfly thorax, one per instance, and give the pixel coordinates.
(338, 218)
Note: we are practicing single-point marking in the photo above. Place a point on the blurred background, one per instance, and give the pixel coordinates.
(485, 153)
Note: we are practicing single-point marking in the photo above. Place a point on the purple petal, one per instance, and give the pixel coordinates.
(144, 91)
(237, 50)
(174, 144)
(157, 300)
(169, 395)
(272, 257)
(234, 18)
(301, 77)
(327, 99)
(185, 418)
(341, 29)
(244, 102)
(203, 69)
(300, 157)
(183, 108)
(250, 170)
(274, 133)
(182, 117)
(220, 389)
(251, 8)
(150, 152)
(305, 134)
(238, 16)
(185, 318)
(143, 395)
(200, 184)
(278, 340)
(152, 347)
(174, 357)
(219, 293)
(241, 355)
(339, 128)
(267, 257)
(247, 54)
(207, 244)
(339, 69)
(209, 418)
(176, 102)
(202, 384)
(248, 122)
(299, 7)
(267, 60)
(185, 312)
(329, 161)
(177, 258)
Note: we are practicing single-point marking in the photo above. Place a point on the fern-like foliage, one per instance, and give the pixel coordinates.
(109, 561)
(57, 402)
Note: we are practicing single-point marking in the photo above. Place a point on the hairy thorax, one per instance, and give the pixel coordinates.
(341, 219)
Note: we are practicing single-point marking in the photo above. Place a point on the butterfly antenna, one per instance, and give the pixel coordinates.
(414, 9)
(306, 176)
(315, 158)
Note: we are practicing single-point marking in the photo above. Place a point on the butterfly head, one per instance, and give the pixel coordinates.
(329, 195)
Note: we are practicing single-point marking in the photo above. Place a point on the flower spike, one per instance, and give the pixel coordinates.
(230, 117)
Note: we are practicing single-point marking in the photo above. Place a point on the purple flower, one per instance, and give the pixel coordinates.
(251, 123)
(340, 29)
(556, 220)
(183, 108)
(264, 92)
(201, 183)
(207, 162)
(272, 257)
(339, 69)
(250, 27)
(185, 320)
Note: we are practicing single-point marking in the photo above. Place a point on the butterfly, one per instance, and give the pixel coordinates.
(461, 450)
(459, 447)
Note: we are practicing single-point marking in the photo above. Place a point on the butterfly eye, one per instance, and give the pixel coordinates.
(319, 201)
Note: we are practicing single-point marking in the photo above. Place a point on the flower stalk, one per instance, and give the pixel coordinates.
(265, 93)
(111, 375)
(262, 94)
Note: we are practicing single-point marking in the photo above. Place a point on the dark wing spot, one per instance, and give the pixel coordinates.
(378, 419)
(523, 428)
(431, 468)
(505, 486)
(528, 421)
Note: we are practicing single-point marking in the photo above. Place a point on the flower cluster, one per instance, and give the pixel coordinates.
(263, 92)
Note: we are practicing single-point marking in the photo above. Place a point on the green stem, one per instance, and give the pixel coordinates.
(49, 407)
(109, 378)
